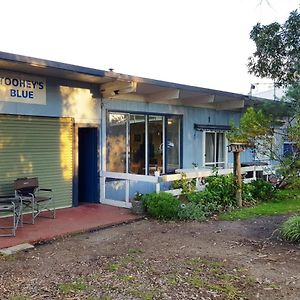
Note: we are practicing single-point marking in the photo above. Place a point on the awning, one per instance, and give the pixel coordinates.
(209, 127)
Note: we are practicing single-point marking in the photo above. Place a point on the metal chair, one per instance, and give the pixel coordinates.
(11, 205)
(35, 198)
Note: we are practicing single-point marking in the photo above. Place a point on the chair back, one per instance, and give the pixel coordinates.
(26, 186)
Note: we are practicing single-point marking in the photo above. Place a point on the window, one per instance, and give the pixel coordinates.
(214, 149)
(142, 144)
(173, 144)
(137, 144)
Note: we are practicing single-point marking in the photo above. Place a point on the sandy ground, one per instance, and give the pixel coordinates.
(157, 260)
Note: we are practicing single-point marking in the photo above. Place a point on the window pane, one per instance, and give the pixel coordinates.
(137, 144)
(173, 144)
(209, 147)
(116, 142)
(220, 147)
(155, 140)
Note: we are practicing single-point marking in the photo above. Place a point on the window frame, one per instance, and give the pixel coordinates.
(215, 163)
(164, 130)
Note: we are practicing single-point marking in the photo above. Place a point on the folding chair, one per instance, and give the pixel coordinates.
(14, 206)
(35, 198)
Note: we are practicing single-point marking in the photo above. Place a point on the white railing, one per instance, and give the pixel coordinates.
(157, 179)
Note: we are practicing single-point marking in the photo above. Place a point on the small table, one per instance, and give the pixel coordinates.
(14, 205)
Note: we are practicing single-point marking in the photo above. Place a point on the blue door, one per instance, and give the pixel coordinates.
(88, 177)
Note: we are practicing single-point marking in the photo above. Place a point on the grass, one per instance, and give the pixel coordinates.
(287, 201)
(78, 285)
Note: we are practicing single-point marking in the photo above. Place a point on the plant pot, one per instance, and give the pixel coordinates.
(137, 207)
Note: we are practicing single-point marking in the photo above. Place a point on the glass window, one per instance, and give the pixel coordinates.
(155, 144)
(137, 144)
(215, 149)
(116, 141)
(173, 144)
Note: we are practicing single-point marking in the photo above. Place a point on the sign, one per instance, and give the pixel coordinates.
(22, 88)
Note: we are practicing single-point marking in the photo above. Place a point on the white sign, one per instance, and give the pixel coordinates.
(22, 88)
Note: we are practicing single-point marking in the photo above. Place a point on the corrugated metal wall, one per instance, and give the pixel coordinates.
(37, 147)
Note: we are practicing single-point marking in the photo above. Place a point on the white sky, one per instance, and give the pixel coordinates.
(198, 42)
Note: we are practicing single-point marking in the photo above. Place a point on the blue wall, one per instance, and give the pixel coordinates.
(192, 140)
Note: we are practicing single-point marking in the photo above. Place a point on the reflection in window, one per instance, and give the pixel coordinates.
(215, 149)
(156, 146)
(116, 142)
(137, 144)
(173, 144)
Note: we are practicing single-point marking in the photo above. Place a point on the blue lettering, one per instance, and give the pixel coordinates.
(13, 93)
(41, 85)
(21, 94)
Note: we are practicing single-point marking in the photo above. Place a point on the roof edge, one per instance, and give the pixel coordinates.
(49, 63)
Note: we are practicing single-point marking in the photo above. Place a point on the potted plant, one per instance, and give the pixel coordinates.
(137, 204)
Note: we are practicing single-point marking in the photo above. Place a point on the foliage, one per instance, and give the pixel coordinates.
(192, 211)
(253, 124)
(290, 229)
(285, 201)
(277, 54)
(219, 193)
(277, 57)
(223, 189)
(261, 190)
(162, 205)
(138, 196)
(187, 185)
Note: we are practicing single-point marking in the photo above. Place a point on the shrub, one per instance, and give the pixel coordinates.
(290, 229)
(161, 206)
(192, 211)
(187, 185)
(219, 190)
(262, 190)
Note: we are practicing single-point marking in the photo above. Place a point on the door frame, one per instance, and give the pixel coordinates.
(75, 198)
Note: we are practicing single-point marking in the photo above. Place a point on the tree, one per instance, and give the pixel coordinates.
(277, 57)
(277, 54)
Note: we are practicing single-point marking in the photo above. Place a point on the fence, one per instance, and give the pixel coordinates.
(158, 179)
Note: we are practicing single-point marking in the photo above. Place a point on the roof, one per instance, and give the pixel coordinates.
(125, 87)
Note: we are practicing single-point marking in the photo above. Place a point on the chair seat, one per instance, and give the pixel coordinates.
(37, 199)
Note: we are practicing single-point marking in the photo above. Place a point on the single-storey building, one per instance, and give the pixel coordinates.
(93, 135)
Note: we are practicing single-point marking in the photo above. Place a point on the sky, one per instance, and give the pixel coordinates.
(203, 43)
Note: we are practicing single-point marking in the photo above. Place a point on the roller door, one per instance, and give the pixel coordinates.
(37, 147)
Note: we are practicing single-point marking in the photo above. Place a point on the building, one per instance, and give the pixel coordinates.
(79, 128)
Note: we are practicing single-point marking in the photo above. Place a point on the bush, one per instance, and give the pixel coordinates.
(290, 229)
(224, 189)
(192, 211)
(161, 206)
(187, 185)
(262, 190)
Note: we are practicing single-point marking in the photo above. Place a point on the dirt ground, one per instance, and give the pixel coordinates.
(157, 260)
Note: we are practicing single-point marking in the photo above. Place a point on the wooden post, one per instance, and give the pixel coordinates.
(238, 176)
(157, 185)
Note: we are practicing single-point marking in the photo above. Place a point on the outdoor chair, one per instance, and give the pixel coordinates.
(13, 206)
(35, 198)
